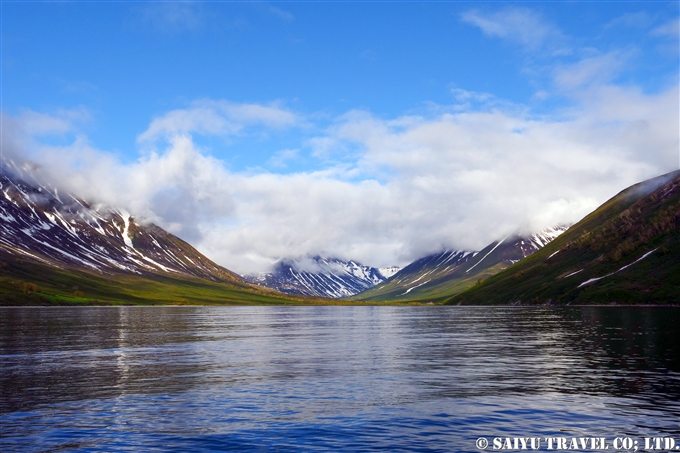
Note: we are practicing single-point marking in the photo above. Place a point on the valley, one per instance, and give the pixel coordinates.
(59, 249)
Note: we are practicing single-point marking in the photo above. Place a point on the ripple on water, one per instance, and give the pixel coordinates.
(331, 378)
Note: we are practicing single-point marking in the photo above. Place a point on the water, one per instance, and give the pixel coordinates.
(199, 379)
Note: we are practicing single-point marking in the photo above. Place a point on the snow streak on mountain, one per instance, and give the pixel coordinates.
(41, 223)
(318, 276)
(453, 271)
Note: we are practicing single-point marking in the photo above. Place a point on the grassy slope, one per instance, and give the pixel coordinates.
(622, 230)
(446, 281)
(438, 289)
(24, 282)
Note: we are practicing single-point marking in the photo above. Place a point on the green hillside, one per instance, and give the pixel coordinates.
(625, 252)
(427, 282)
(437, 277)
(24, 282)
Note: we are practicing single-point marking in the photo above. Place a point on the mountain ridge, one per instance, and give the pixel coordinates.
(320, 276)
(64, 230)
(443, 274)
(57, 248)
(626, 251)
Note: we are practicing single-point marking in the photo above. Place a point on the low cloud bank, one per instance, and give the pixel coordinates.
(384, 191)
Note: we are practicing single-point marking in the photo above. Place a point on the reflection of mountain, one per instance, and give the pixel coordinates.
(57, 247)
(119, 347)
(454, 353)
(447, 273)
(318, 276)
(626, 251)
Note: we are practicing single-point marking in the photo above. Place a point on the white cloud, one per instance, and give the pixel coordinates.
(59, 122)
(391, 190)
(281, 158)
(598, 69)
(670, 29)
(219, 118)
(464, 95)
(281, 14)
(640, 19)
(519, 25)
(172, 17)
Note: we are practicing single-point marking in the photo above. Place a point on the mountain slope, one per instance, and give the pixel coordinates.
(56, 244)
(318, 276)
(60, 229)
(444, 274)
(626, 251)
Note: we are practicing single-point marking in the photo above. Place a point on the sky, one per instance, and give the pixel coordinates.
(375, 131)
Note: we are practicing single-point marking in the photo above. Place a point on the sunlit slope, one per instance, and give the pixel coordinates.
(442, 275)
(26, 282)
(627, 251)
(57, 248)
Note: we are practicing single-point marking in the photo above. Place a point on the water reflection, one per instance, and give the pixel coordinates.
(51, 355)
(338, 378)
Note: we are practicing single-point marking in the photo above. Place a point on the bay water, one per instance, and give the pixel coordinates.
(339, 378)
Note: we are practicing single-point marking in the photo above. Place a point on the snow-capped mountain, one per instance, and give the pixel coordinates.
(624, 252)
(387, 272)
(318, 276)
(41, 223)
(529, 244)
(453, 271)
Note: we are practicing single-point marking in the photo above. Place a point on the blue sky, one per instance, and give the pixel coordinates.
(377, 131)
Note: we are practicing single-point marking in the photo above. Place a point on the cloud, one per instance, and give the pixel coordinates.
(167, 188)
(389, 190)
(522, 26)
(598, 69)
(220, 118)
(464, 95)
(670, 29)
(282, 157)
(280, 13)
(60, 122)
(669, 38)
(174, 17)
(640, 19)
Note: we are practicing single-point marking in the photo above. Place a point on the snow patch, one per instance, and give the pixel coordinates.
(414, 287)
(593, 280)
(573, 273)
(496, 246)
(387, 272)
(126, 218)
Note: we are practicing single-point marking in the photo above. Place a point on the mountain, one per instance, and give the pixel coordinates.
(626, 251)
(387, 272)
(323, 277)
(443, 274)
(48, 237)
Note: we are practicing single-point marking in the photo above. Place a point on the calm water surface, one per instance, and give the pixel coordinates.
(332, 378)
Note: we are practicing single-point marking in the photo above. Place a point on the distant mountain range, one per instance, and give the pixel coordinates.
(323, 277)
(49, 238)
(626, 251)
(444, 274)
(56, 248)
(434, 276)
